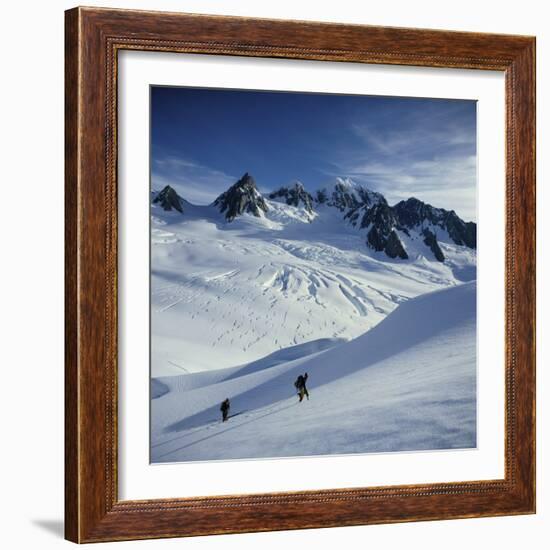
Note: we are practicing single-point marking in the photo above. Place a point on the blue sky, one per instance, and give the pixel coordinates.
(203, 140)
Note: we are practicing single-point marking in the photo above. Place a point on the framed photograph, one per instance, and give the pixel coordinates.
(300, 275)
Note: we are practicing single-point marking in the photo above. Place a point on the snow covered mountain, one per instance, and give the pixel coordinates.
(168, 199)
(294, 195)
(387, 228)
(345, 194)
(248, 276)
(407, 384)
(413, 213)
(242, 197)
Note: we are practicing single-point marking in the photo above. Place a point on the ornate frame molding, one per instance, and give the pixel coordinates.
(93, 38)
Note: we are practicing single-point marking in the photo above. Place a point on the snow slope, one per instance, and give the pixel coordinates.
(224, 294)
(409, 383)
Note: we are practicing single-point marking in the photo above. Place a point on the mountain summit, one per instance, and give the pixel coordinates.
(415, 213)
(241, 197)
(294, 195)
(168, 199)
(389, 226)
(345, 193)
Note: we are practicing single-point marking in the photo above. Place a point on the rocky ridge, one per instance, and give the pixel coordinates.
(386, 227)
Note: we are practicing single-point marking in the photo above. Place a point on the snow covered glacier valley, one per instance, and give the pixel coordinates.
(240, 307)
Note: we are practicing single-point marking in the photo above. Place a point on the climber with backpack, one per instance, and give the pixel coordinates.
(224, 407)
(300, 385)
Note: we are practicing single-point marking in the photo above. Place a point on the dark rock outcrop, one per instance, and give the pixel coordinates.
(295, 195)
(381, 222)
(168, 200)
(321, 196)
(380, 215)
(342, 197)
(241, 197)
(462, 233)
(389, 243)
(394, 247)
(430, 240)
(375, 240)
(413, 213)
(384, 223)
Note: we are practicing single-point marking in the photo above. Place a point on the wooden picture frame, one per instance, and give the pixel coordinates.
(93, 511)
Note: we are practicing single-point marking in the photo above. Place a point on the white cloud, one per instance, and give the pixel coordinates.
(194, 182)
(445, 182)
(434, 162)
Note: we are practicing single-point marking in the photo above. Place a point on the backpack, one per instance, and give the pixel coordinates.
(299, 382)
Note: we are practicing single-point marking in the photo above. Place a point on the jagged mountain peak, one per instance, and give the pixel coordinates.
(168, 199)
(296, 184)
(345, 193)
(341, 184)
(388, 227)
(344, 181)
(242, 197)
(416, 213)
(294, 194)
(246, 181)
(416, 210)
